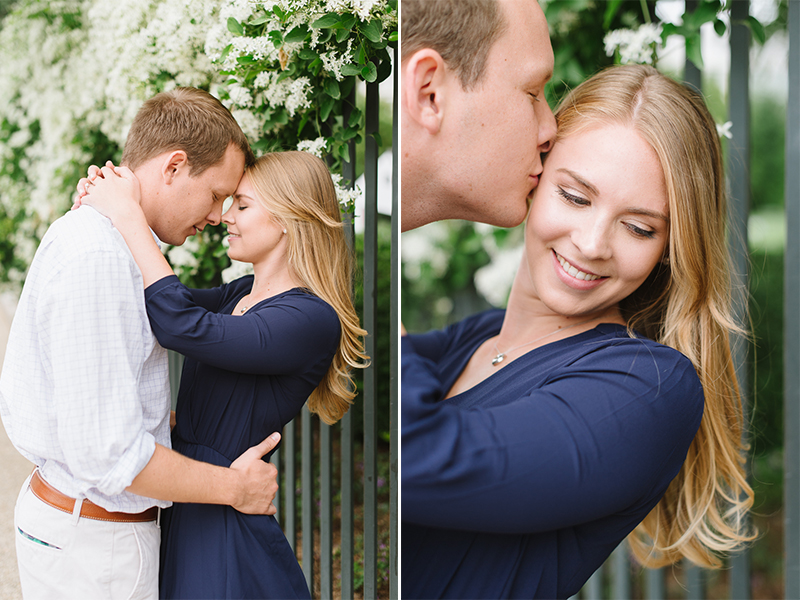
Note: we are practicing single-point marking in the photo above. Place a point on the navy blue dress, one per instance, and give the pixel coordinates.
(244, 377)
(522, 486)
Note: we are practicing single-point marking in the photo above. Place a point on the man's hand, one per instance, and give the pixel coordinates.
(259, 479)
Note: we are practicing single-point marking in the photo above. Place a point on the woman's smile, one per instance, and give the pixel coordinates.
(574, 271)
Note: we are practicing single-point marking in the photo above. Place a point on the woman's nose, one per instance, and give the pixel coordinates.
(593, 239)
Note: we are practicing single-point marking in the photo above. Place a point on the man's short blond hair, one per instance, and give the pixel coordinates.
(185, 119)
(461, 31)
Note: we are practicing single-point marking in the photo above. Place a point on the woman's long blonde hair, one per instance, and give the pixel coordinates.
(686, 303)
(297, 189)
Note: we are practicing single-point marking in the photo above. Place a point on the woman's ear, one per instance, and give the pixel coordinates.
(174, 163)
(424, 90)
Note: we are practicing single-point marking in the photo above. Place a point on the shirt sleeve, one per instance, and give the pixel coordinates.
(279, 337)
(96, 358)
(602, 436)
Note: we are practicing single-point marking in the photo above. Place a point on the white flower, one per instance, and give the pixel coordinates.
(251, 126)
(724, 130)
(240, 95)
(634, 46)
(315, 147)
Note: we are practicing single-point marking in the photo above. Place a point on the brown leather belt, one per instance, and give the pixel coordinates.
(50, 495)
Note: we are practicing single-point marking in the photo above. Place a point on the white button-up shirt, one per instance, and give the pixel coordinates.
(84, 390)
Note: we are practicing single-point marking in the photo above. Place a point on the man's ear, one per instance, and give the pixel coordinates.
(174, 163)
(425, 80)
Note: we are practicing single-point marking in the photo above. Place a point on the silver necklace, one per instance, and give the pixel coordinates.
(500, 357)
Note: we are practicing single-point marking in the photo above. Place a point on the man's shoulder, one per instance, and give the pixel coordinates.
(82, 231)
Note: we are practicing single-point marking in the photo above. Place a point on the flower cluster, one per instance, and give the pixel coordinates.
(634, 45)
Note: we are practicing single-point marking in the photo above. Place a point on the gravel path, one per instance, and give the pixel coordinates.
(13, 471)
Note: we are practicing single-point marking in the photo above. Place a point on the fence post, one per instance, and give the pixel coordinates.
(346, 427)
(738, 172)
(307, 487)
(370, 324)
(791, 400)
(394, 320)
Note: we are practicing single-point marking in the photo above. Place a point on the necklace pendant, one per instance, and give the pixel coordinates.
(498, 359)
(244, 308)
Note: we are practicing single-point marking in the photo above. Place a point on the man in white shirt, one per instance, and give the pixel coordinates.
(84, 392)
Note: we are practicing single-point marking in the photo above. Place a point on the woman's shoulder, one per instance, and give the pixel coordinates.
(613, 350)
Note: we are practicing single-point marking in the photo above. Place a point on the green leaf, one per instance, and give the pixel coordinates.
(667, 30)
(342, 35)
(325, 108)
(225, 52)
(372, 30)
(355, 118)
(348, 21)
(298, 34)
(393, 37)
(350, 70)
(369, 72)
(326, 22)
(757, 28)
(344, 153)
(378, 138)
(303, 122)
(279, 12)
(276, 37)
(349, 133)
(307, 54)
(693, 50)
(332, 88)
(259, 21)
(245, 60)
(281, 117)
(235, 27)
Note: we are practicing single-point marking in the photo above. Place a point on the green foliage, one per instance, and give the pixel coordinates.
(440, 289)
(335, 51)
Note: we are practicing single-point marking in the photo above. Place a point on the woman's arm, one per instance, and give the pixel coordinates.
(115, 194)
(602, 436)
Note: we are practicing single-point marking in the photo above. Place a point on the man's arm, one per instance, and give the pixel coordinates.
(249, 485)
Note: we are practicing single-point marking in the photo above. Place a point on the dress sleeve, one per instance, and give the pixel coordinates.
(210, 299)
(279, 337)
(600, 437)
(96, 359)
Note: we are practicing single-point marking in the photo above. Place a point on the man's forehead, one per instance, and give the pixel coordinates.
(526, 39)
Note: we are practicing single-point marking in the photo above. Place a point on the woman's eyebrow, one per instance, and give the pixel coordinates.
(580, 180)
(649, 213)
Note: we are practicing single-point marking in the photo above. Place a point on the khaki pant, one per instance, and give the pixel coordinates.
(70, 557)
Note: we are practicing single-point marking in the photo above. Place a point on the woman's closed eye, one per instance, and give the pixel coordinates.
(572, 198)
(639, 231)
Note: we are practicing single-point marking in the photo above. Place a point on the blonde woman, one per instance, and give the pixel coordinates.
(255, 350)
(602, 403)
